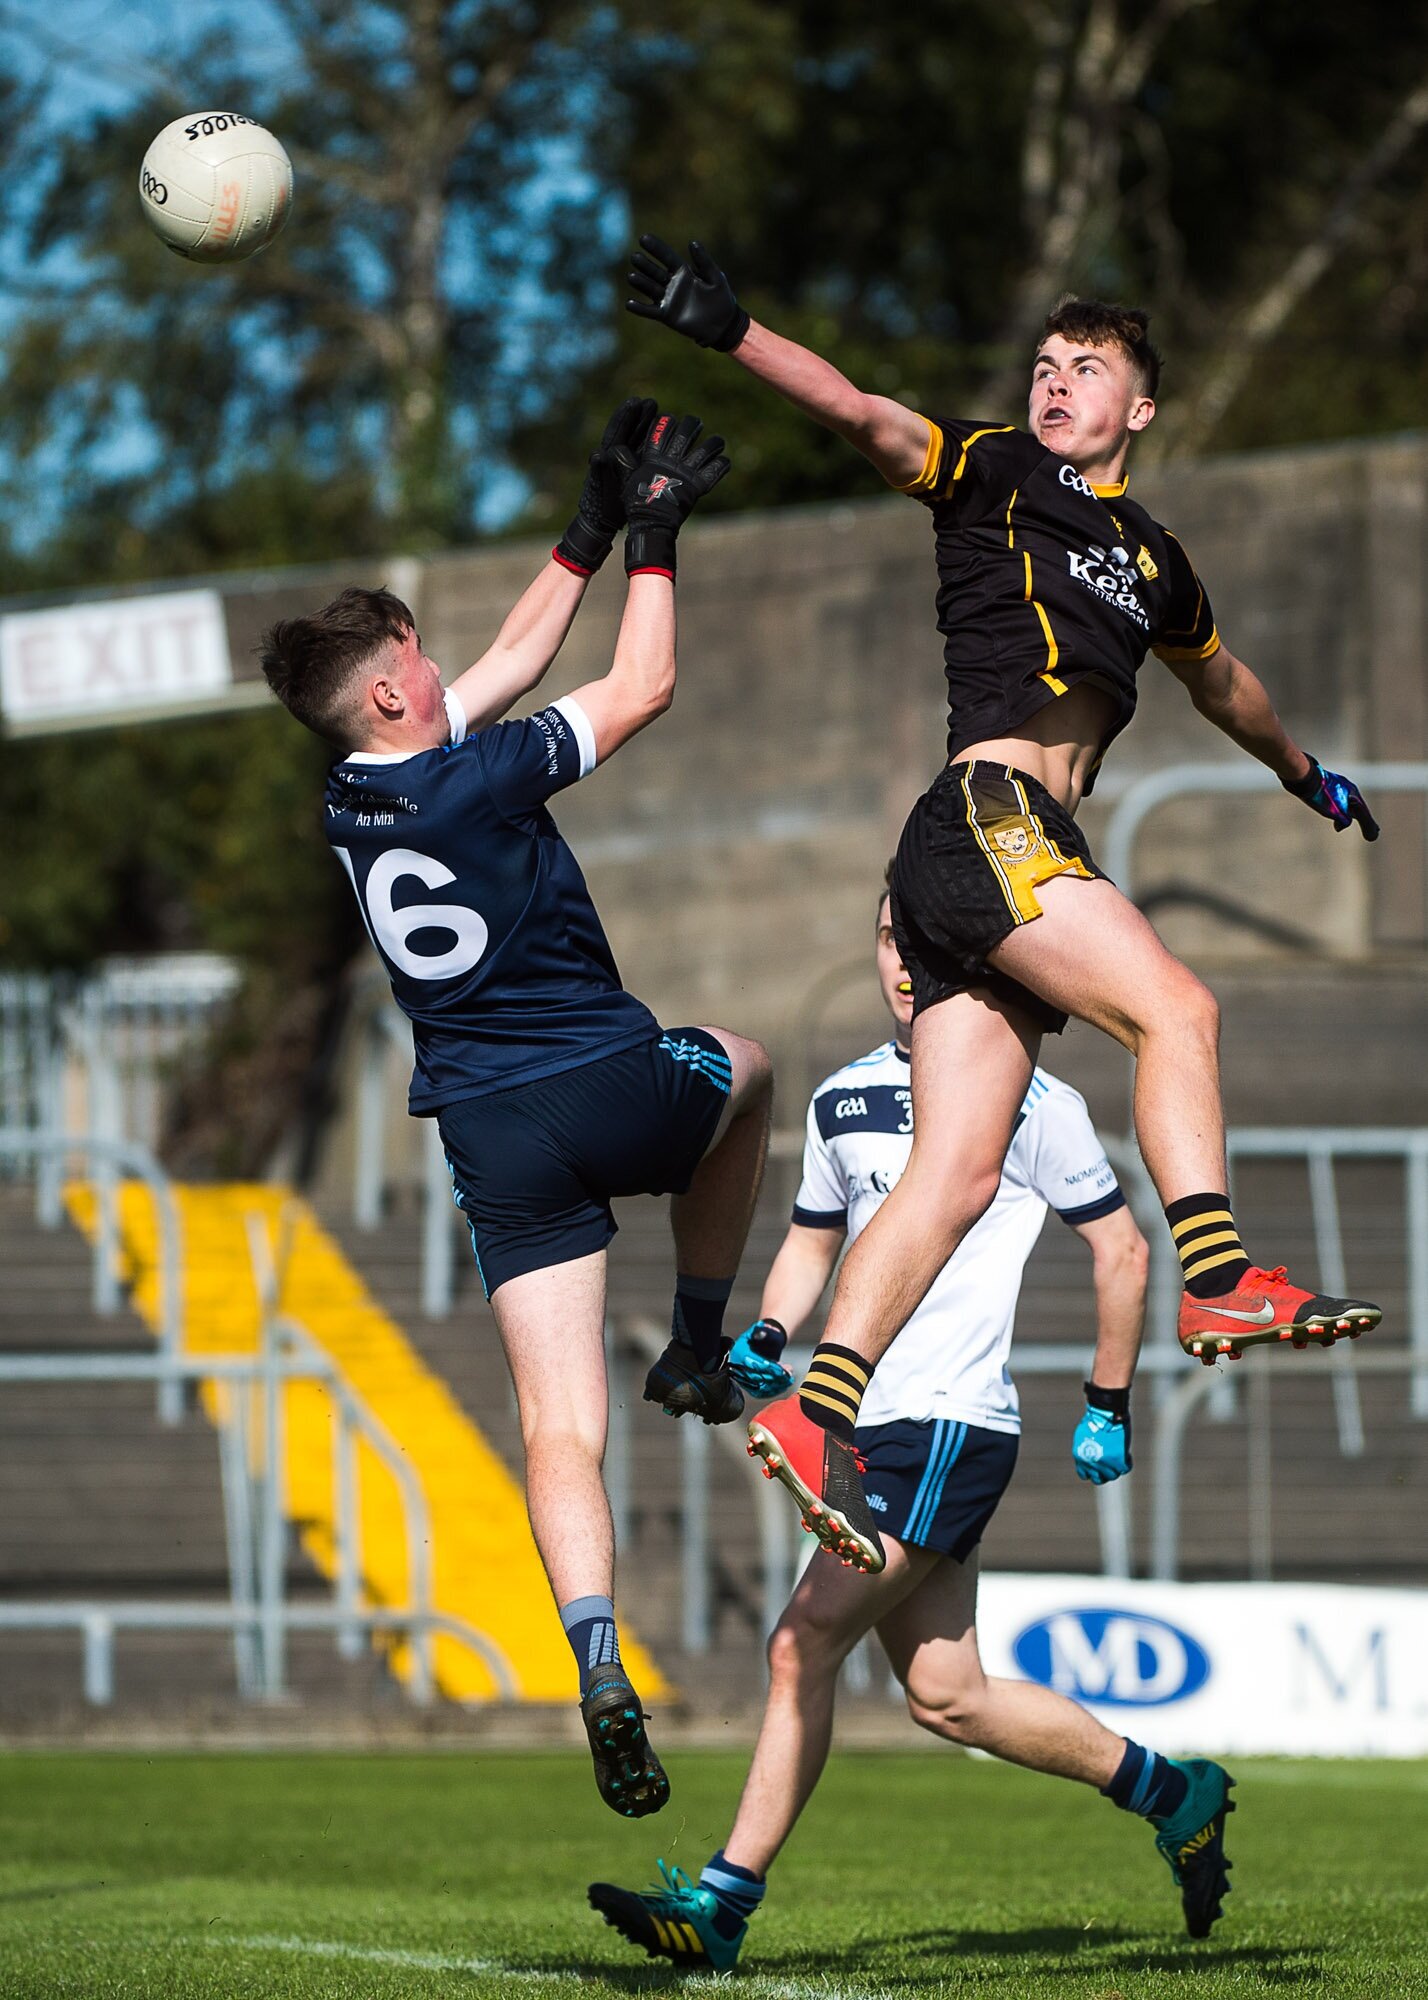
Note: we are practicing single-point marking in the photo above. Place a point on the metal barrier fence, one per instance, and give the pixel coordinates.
(112, 1156)
(249, 1417)
(250, 1461)
(1172, 1421)
(1146, 795)
(385, 1033)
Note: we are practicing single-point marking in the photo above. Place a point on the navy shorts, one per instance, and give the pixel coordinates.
(936, 1484)
(534, 1168)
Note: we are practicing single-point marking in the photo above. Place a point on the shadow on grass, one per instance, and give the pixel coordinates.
(1045, 1949)
(883, 1962)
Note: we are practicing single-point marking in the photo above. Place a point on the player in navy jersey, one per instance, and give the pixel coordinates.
(939, 1432)
(554, 1088)
(1052, 586)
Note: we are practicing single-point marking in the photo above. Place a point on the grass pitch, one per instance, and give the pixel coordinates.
(221, 1878)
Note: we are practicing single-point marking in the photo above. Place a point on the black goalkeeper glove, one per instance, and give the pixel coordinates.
(1336, 799)
(600, 514)
(695, 298)
(662, 485)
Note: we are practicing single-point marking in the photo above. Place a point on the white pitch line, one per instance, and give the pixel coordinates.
(759, 1985)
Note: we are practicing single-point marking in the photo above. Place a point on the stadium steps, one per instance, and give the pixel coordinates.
(99, 1499)
(485, 1570)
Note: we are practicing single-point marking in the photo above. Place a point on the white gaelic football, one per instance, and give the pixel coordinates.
(215, 186)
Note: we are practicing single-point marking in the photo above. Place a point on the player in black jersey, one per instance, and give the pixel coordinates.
(1052, 586)
(553, 1087)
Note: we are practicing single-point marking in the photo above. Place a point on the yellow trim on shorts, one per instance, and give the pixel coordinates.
(1004, 883)
(1068, 864)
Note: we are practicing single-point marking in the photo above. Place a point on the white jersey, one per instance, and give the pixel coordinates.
(950, 1360)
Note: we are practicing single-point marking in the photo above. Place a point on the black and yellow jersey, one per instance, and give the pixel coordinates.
(1045, 581)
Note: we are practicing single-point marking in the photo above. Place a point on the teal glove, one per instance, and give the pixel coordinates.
(1101, 1444)
(754, 1363)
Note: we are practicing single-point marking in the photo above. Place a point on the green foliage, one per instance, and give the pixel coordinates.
(203, 835)
(894, 185)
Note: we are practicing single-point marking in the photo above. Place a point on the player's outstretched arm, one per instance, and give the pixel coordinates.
(693, 297)
(795, 1283)
(517, 659)
(1228, 694)
(535, 630)
(799, 1274)
(663, 482)
(1101, 1444)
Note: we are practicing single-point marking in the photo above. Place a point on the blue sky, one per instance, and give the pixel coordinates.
(95, 54)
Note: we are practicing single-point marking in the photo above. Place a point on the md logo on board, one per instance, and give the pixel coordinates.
(1123, 1658)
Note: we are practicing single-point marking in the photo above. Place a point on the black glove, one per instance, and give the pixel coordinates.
(694, 298)
(1334, 798)
(600, 514)
(662, 484)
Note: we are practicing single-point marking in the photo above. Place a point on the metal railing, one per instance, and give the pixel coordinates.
(95, 1056)
(1320, 1147)
(633, 1343)
(250, 1459)
(98, 1620)
(1146, 795)
(1171, 1423)
(249, 1414)
(385, 1032)
(113, 1156)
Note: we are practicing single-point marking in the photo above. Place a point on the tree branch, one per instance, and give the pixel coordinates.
(1265, 316)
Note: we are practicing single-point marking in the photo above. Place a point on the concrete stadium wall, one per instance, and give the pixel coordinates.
(737, 848)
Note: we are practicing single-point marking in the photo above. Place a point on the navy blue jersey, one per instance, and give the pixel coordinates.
(478, 908)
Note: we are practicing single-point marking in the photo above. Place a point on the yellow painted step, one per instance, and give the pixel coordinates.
(485, 1568)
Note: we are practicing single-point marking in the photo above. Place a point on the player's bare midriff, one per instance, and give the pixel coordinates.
(1057, 746)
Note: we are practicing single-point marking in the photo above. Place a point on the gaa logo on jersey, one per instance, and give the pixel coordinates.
(1124, 1659)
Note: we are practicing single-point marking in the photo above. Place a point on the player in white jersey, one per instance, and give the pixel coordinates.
(938, 1431)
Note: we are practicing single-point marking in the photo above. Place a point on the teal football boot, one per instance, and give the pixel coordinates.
(675, 1922)
(1193, 1842)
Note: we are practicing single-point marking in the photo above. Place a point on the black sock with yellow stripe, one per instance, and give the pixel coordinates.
(832, 1391)
(1211, 1254)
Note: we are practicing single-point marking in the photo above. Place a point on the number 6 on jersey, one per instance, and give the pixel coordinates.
(391, 928)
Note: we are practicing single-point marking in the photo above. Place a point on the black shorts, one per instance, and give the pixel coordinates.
(976, 847)
(534, 1168)
(936, 1484)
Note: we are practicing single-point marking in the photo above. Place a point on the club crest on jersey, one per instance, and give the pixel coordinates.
(1112, 575)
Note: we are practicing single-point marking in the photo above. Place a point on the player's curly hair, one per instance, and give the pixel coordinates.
(313, 664)
(1102, 325)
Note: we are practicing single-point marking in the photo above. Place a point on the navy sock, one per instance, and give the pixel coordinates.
(699, 1317)
(737, 1892)
(590, 1627)
(1146, 1783)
